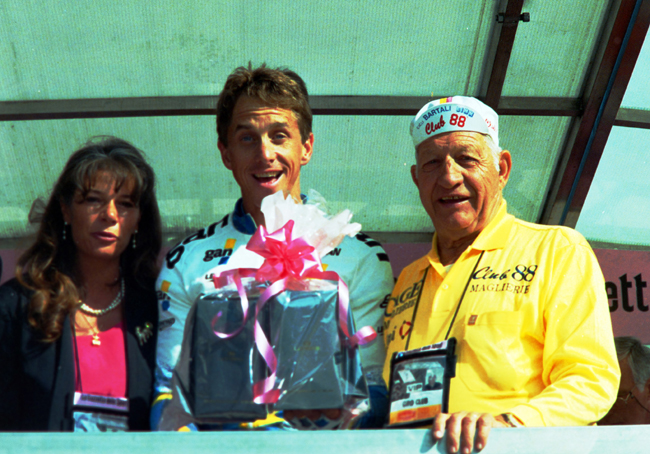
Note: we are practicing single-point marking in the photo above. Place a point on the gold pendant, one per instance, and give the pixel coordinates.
(96, 342)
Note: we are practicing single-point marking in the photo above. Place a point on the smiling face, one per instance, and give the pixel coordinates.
(265, 152)
(459, 185)
(103, 221)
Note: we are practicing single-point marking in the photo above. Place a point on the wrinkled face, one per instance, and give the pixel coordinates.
(459, 185)
(103, 221)
(265, 151)
(628, 408)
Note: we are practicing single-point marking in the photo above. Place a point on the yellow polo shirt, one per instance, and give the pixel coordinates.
(534, 331)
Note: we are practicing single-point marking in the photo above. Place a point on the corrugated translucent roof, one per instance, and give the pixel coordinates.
(552, 52)
(379, 55)
(102, 48)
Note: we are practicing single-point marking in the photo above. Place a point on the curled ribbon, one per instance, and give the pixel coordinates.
(285, 258)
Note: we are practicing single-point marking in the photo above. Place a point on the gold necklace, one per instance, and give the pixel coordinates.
(94, 332)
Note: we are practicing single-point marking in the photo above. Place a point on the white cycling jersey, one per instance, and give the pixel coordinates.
(187, 273)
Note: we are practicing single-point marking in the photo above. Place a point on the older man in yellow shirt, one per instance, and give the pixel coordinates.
(526, 302)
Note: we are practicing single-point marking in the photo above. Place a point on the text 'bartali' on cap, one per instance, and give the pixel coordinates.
(457, 113)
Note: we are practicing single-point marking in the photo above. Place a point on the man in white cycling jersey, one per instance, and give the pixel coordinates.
(265, 137)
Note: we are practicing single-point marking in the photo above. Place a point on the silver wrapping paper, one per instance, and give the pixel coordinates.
(317, 369)
(222, 371)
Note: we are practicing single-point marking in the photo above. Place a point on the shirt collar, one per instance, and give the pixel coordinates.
(493, 236)
(242, 221)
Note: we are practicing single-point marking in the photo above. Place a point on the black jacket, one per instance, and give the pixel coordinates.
(37, 378)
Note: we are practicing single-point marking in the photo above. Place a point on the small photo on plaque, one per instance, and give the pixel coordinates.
(419, 383)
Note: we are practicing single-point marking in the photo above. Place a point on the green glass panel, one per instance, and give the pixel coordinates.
(552, 52)
(360, 162)
(616, 209)
(75, 49)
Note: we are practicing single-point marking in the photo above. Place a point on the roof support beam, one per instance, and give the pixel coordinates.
(633, 118)
(587, 142)
(510, 21)
(204, 105)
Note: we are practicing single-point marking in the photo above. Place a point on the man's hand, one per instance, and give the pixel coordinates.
(461, 428)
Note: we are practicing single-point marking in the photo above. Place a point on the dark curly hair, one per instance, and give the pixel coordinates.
(47, 267)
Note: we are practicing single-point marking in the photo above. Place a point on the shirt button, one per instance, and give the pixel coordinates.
(445, 286)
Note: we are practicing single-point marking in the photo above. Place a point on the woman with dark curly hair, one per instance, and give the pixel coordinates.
(78, 324)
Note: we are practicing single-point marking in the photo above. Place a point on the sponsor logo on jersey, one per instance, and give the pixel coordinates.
(211, 254)
(162, 296)
(175, 254)
(224, 253)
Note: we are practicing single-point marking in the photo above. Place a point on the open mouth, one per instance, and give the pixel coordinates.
(452, 200)
(268, 177)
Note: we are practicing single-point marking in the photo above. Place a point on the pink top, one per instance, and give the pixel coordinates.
(102, 367)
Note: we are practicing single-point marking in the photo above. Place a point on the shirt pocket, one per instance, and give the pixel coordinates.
(491, 354)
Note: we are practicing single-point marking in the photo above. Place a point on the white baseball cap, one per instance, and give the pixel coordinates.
(457, 113)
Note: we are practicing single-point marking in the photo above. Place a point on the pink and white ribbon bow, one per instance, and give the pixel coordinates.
(285, 258)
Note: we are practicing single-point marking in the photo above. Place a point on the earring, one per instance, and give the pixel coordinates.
(134, 234)
(65, 226)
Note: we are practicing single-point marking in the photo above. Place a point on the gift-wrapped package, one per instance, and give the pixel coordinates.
(278, 330)
(222, 370)
(316, 369)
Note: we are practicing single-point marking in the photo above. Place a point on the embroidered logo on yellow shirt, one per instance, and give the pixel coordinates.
(405, 329)
(405, 300)
(487, 279)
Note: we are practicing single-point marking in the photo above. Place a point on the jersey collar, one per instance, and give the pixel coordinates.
(244, 222)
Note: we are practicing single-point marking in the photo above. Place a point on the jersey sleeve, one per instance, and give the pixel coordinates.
(371, 283)
(174, 304)
(580, 368)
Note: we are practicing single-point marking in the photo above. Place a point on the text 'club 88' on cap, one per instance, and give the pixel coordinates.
(456, 113)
